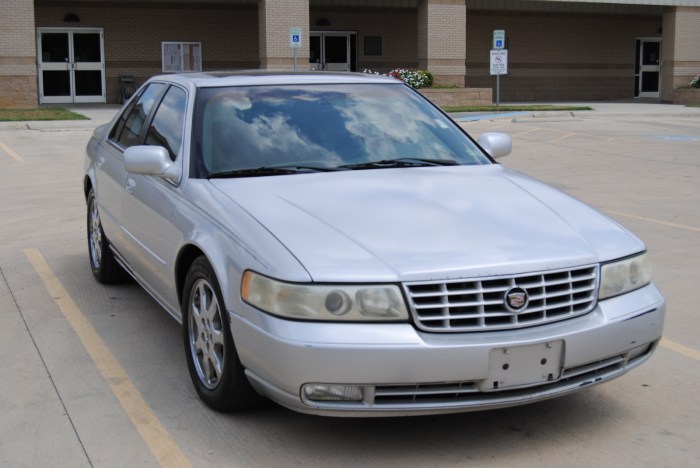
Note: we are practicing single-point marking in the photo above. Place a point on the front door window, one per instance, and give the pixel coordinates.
(71, 65)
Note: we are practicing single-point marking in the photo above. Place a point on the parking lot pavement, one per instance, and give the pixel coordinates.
(96, 376)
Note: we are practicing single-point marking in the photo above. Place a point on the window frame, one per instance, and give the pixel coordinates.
(168, 45)
(116, 133)
(183, 124)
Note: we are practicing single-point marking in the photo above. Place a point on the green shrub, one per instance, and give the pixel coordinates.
(696, 82)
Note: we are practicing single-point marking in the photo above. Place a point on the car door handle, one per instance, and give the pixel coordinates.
(130, 185)
(100, 162)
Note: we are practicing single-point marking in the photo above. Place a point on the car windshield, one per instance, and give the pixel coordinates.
(246, 131)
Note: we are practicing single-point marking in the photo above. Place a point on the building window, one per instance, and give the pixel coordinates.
(373, 45)
(182, 56)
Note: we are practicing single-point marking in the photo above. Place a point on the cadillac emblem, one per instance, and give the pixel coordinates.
(516, 300)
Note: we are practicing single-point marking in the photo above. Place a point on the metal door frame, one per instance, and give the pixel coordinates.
(71, 66)
(648, 68)
(322, 35)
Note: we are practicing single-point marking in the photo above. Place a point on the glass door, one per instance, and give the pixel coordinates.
(88, 66)
(331, 51)
(54, 67)
(336, 49)
(649, 60)
(71, 65)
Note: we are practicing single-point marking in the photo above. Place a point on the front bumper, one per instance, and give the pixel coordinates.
(403, 371)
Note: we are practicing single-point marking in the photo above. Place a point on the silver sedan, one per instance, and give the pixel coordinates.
(335, 243)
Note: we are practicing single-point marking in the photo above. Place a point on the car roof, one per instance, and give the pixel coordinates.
(267, 77)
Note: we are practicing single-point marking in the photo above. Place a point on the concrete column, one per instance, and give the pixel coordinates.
(275, 18)
(442, 43)
(18, 72)
(679, 49)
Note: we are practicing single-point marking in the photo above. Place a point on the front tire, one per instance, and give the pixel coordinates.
(212, 359)
(104, 266)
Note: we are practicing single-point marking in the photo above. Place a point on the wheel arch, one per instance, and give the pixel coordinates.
(187, 255)
(87, 185)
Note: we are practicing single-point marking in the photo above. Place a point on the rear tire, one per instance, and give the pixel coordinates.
(102, 262)
(212, 359)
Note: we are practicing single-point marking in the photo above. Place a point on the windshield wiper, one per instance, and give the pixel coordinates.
(270, 170)
(402, 162)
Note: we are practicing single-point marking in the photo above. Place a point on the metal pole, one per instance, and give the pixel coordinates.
(295, 59)
(498, 88)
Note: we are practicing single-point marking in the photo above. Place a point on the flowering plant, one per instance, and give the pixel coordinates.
(695, 83)
(414, 78)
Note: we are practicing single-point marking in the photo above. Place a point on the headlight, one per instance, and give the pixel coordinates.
(359, 303)
(624, 276)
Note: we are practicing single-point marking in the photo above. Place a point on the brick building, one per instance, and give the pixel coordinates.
(77, 50)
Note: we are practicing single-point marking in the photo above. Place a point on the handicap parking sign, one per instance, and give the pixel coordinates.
(499, 39)
(295, 37)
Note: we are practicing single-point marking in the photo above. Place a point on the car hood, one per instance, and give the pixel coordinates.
(427, 223)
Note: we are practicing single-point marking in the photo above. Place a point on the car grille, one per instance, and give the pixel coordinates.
(467, 393)
(479, 304)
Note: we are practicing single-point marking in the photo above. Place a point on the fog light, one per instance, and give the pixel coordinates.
(324, 392)
(638, 351)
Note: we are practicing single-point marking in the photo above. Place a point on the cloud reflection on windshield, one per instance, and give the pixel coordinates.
(325, 125)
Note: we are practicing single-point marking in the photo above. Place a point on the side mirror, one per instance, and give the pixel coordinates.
(496, 145)
(151, 160)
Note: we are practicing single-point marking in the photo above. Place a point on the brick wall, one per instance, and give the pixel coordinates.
(396, 27)
(276, 19)
(17, 54)
(459, 97)
(442, 39)
(558, 56)
(553, 56)
(133, 34)
(680, 50)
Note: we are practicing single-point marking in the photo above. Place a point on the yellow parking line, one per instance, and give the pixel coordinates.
(517, 135)
(11, 153)
(680, 349)
(567, 135)
(154, 434)
(652, 220)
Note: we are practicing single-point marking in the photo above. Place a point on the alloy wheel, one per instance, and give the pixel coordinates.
(206, 334)
(95, 236)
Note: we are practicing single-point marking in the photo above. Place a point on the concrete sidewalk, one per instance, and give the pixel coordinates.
(601, 109)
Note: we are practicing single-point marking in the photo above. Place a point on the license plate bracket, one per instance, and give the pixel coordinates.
(523, 366)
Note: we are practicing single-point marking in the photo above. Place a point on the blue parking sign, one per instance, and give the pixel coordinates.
(499, 39)
(295, 37)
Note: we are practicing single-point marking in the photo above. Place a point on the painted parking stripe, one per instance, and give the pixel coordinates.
(677, 138)
(11, 153)
(680, 349)
(142, 416)
(652, 220)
